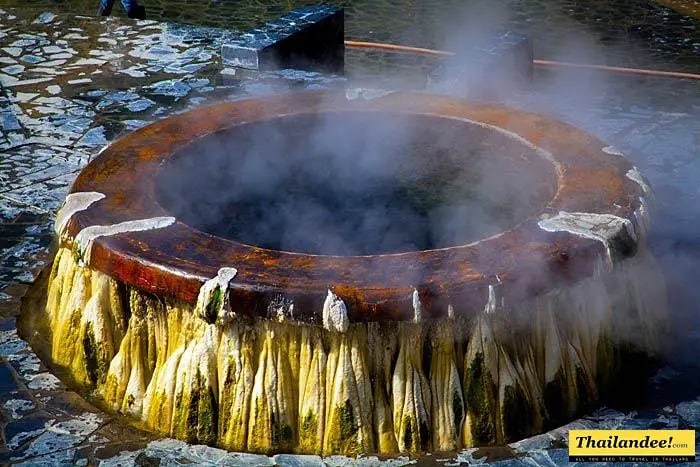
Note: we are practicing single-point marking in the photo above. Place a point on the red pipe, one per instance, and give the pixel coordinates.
(548, 63)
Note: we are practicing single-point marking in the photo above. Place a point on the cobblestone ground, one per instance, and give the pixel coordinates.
(72, 84)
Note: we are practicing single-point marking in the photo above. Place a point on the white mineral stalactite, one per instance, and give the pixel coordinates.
(67, 343)
(236, 368)
(61, 282)
(480, 383)
(601, 227)
(384, 422)
(171, 331)
(312, 391)
(582, 376)
(557, 357)
(75, 202)
(130, 370)
(520, 392)
(383, 346)
(213, 299)
(524, 364)
(199, 373)
(589, 313)
(160, 396)
(642, 213)
(411, 398)
(335, 313)
(514, 408)
(196, 389)
(140, 368)
(102, 326)
(349, 404)
(417, 307)
(272, 421)
(118, 374)
(446, 389)
(639, 297)
(86, 237)
(194, 395)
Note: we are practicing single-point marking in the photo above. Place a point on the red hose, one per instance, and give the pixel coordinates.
(397, 48)
(548, 63)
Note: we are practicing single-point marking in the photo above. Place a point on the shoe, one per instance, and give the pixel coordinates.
(102, 11)
(138, 12)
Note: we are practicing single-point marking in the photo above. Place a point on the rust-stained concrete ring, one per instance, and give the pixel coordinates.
(595, 211)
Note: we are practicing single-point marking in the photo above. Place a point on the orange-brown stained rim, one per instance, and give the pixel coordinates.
(525, 260)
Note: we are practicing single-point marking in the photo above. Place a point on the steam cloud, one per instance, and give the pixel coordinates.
(353, 184)
(352, 187)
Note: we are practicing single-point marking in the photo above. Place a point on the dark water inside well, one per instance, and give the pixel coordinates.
(356, 183)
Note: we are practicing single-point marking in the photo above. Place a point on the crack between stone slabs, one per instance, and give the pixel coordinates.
(2, 192)
(44, 406)
(24, 175)
(136, 447)
(16, 376)
(48, 453)
(22, 203)
(32, 143)
(14, 461)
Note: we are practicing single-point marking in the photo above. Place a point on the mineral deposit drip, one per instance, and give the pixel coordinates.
(264, 386)
(209, 340)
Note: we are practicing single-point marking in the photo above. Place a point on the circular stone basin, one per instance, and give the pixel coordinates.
(311, 273)
(373, 198)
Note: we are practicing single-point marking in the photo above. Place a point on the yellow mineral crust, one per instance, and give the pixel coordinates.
(209, 376)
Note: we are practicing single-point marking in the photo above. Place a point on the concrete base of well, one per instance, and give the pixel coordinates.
(265, 386)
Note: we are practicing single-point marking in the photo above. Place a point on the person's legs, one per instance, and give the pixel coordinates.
(133, 9)
(105, 7)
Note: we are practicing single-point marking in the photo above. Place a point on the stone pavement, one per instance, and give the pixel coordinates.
(69, 85)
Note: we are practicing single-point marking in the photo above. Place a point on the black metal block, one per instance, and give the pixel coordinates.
(309, 38)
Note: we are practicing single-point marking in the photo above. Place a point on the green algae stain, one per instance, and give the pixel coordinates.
(178, 416)
(309, 424)
(480, 401)
(408, 434)
(191, 411)
(308, 433)
(198, 421)
(554, 402)
(342, 430)
(516, 412)
(346, 417)
(90, 352)
(227, 397)
(207, 416)
(605, 363)
(211, 310)
(586, 396)
(424, 435)
(282, 436)
(457, 410)
(416, 439)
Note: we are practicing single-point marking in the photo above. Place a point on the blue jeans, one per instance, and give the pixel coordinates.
(128, 5)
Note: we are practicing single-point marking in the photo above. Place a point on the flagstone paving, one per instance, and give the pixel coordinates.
(71, 84)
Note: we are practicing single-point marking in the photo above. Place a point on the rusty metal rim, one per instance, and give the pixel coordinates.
(176, 260)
